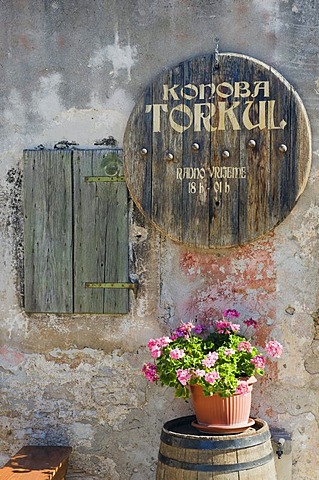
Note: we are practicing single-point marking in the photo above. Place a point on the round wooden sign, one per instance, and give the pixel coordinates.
(217, 151)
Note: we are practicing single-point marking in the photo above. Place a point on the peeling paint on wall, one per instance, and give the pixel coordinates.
(46, 99)
(121, 57)
(243, 278)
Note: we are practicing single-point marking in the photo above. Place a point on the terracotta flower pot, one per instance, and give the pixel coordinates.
(214, 413)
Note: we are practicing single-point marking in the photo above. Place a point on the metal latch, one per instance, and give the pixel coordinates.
(280, 444)
(121, 285)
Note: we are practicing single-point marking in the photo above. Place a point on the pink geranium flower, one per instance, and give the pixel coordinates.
(210, 359)
(223, 326)
(156, 351)
(150, 372)
(183, 331)
(211, 377)
(243, 388)
(198, 329)
(245, 347)
(177, 353)
(258, 361)
(183, 376)
(274, 348)
(229, 351)
(251, 323)
(156, 344)
(230, 313)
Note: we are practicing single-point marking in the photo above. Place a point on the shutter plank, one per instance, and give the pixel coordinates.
(256, 200)
(100, 237)
(283, 173)
(164, 184)
(196, 192)
(48, 231)
(224, 194)
(142, 170)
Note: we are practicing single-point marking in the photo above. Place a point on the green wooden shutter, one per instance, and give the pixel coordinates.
(100, 234)
(76, 231)
(48, 231)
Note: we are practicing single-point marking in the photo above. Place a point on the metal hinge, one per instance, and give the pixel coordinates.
(121, 285)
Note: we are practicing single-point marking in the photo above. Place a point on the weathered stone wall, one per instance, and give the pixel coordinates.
(73, 70)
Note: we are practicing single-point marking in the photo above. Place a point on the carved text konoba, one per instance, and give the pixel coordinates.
(211, 115)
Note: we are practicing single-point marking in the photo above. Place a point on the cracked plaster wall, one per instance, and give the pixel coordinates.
(73, 70)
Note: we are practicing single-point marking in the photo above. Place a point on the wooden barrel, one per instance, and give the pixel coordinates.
(187, 453)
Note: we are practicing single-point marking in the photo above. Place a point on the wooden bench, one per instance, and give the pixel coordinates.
(37, 463)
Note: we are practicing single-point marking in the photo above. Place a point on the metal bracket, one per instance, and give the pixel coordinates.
(104, 179)
(110, 141)
(281, 441)
(65, 144)
(130, 285)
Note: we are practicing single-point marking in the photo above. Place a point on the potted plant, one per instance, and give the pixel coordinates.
(215, 365)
